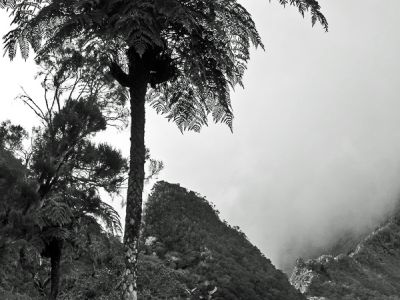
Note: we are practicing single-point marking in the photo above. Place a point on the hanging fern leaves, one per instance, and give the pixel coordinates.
(10, 41)
(8, 4)
(23, 46)
(89, 203)
(111, 218)
(56, 212)
(201, 46)
(309, 5)
(22, 12)
(191, 52)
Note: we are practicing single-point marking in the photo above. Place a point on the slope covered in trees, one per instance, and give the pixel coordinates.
(191, 54)
(369, 270)
(187, 253)
(184, 230)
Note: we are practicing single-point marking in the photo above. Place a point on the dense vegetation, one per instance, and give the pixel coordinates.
(368, 267)
(182, 56)
(187, 253)
(51, 202)
(185, 55)
(184, 230)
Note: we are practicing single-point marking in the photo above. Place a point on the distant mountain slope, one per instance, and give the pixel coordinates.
(371, 270)
(343, 244)
(184, 230)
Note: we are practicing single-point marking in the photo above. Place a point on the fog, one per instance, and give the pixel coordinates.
(316, 145)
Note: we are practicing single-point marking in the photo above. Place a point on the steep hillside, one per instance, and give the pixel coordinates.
(184, 230)
(370, 270)
(187, 252)
(344, 243)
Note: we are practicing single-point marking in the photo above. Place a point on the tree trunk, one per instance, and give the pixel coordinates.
(138, 88)
(55, 259)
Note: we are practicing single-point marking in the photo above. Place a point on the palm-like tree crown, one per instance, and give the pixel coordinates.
(197, 49)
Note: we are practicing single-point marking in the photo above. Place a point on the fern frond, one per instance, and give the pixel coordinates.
(10, 43)
(55, 212)
(311, 6)
(111, 218)
(8, 4)
(23, 46)
(206, 42)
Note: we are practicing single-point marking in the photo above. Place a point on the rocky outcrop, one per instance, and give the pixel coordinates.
(370, 270)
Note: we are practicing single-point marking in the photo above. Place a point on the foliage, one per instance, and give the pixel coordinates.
(191, 53)
(11, 136)
(54, 194)
(184, 230)
(187, 252)
(368, 270)
(36, 208)
(199, 49)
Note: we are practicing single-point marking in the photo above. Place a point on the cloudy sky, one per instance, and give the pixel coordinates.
(316, 143)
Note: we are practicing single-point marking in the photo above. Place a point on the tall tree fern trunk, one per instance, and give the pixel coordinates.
(55, 261)
(139, 74)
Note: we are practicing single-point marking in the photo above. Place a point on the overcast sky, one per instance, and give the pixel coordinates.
(316, 143)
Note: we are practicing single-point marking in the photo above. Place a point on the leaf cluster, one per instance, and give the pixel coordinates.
(58, 192)
(198, 49)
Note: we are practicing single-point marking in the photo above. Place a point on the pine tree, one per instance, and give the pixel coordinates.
(184, 56)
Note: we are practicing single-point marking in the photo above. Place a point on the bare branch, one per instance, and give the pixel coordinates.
(74, 87)
(26, 98)
(27, 102)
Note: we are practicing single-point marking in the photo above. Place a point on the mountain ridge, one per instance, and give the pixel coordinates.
(370, 269)
(186, 230)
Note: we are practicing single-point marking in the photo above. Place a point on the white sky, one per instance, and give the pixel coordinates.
(316, 143)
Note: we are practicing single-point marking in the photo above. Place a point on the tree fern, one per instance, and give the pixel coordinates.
(309, 5)
(216, 33)
(55, 211)
(191, 53)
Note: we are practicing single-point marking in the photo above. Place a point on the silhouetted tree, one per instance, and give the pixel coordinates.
(190, 53)
(64, 171)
